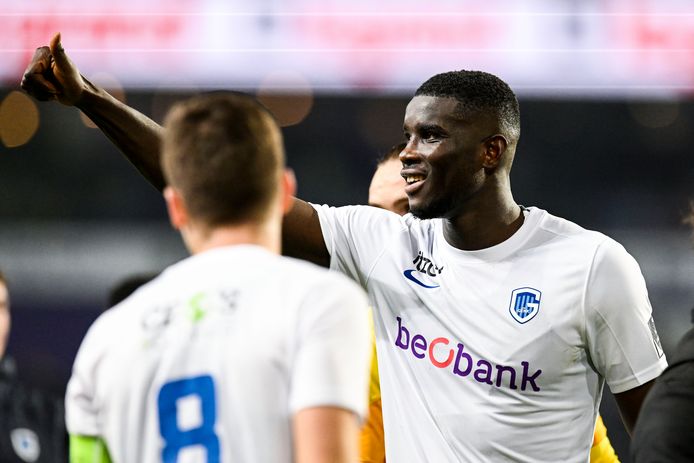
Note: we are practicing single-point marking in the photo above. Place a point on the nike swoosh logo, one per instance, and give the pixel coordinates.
(409, 276)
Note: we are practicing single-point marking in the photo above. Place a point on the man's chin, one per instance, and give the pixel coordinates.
(422, 213)
(432, 210)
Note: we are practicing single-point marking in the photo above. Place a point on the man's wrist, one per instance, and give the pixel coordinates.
(89, 96)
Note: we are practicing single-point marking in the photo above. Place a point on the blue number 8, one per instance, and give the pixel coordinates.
(175, 438)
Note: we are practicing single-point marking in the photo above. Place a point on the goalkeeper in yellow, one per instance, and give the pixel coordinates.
(387, 191)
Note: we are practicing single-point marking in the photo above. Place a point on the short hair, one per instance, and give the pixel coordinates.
(392, 153)
(477, 91)
(224, 153)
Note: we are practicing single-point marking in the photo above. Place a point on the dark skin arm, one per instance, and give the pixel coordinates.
(137, 136)
(302, 236)
(629, 404)
(52, 76)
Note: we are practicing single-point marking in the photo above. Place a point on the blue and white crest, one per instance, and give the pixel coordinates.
(25, 444)
(525, 304)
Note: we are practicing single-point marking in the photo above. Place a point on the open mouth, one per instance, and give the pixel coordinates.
(412, 179)
(414, 182)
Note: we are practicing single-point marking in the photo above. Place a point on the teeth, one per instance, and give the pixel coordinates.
(410, 179)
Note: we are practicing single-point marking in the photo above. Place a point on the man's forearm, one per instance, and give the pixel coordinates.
(137, 136)
(629, 404)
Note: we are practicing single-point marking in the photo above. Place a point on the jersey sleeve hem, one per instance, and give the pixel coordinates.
(640, 378)
(359, 410)
(327, 234)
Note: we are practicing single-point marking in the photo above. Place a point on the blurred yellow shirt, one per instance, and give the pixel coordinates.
(372, 447)
(602, 451)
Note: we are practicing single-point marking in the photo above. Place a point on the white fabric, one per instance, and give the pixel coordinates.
(462, 379)
(276, 336)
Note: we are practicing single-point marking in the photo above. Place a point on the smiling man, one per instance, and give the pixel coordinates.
(496, 324)
(387, 191)
(521, 317)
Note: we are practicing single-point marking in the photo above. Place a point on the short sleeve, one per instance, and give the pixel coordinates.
(333, 351)
(356, 236)
(622, 339)
(81, 409)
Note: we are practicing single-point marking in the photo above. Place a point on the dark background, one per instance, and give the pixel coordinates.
(75, 218)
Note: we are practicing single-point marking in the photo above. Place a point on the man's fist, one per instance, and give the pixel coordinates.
(51, 75)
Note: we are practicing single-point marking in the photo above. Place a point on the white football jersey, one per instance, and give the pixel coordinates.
(499, 354)
(210, 360)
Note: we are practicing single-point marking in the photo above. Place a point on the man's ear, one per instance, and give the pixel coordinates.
(288, 190)
(494, 148)
(178, 214)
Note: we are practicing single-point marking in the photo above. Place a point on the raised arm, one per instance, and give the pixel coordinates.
(51, 75)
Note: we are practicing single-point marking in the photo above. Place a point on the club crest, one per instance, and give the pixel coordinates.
(25, 443)
(525, 304)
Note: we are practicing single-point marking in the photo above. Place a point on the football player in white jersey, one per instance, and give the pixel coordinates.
(497, 325)
(387, 191)
(235, 353)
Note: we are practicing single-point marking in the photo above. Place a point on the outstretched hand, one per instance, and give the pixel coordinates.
(51, 75)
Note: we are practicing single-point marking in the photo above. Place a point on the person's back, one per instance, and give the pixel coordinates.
(214, 356)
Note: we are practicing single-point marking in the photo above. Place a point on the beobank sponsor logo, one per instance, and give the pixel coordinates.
(463, 365)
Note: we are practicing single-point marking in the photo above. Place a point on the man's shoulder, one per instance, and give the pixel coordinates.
(605, 258)
(247, 266)
(562, 228)
(120, 319)
(369, 216)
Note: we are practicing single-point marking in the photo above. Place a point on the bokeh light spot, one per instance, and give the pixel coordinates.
(19, 119)
(655, 115)
(287, 95)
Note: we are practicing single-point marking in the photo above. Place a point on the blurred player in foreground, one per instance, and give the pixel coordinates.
(32, 422)
(665, 429)
(235, 353)
(497, 325)
(387, 191)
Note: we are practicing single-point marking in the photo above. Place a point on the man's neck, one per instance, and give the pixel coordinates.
(483, 227)
(266, 235)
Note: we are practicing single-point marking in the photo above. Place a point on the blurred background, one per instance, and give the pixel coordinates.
(607, 114)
